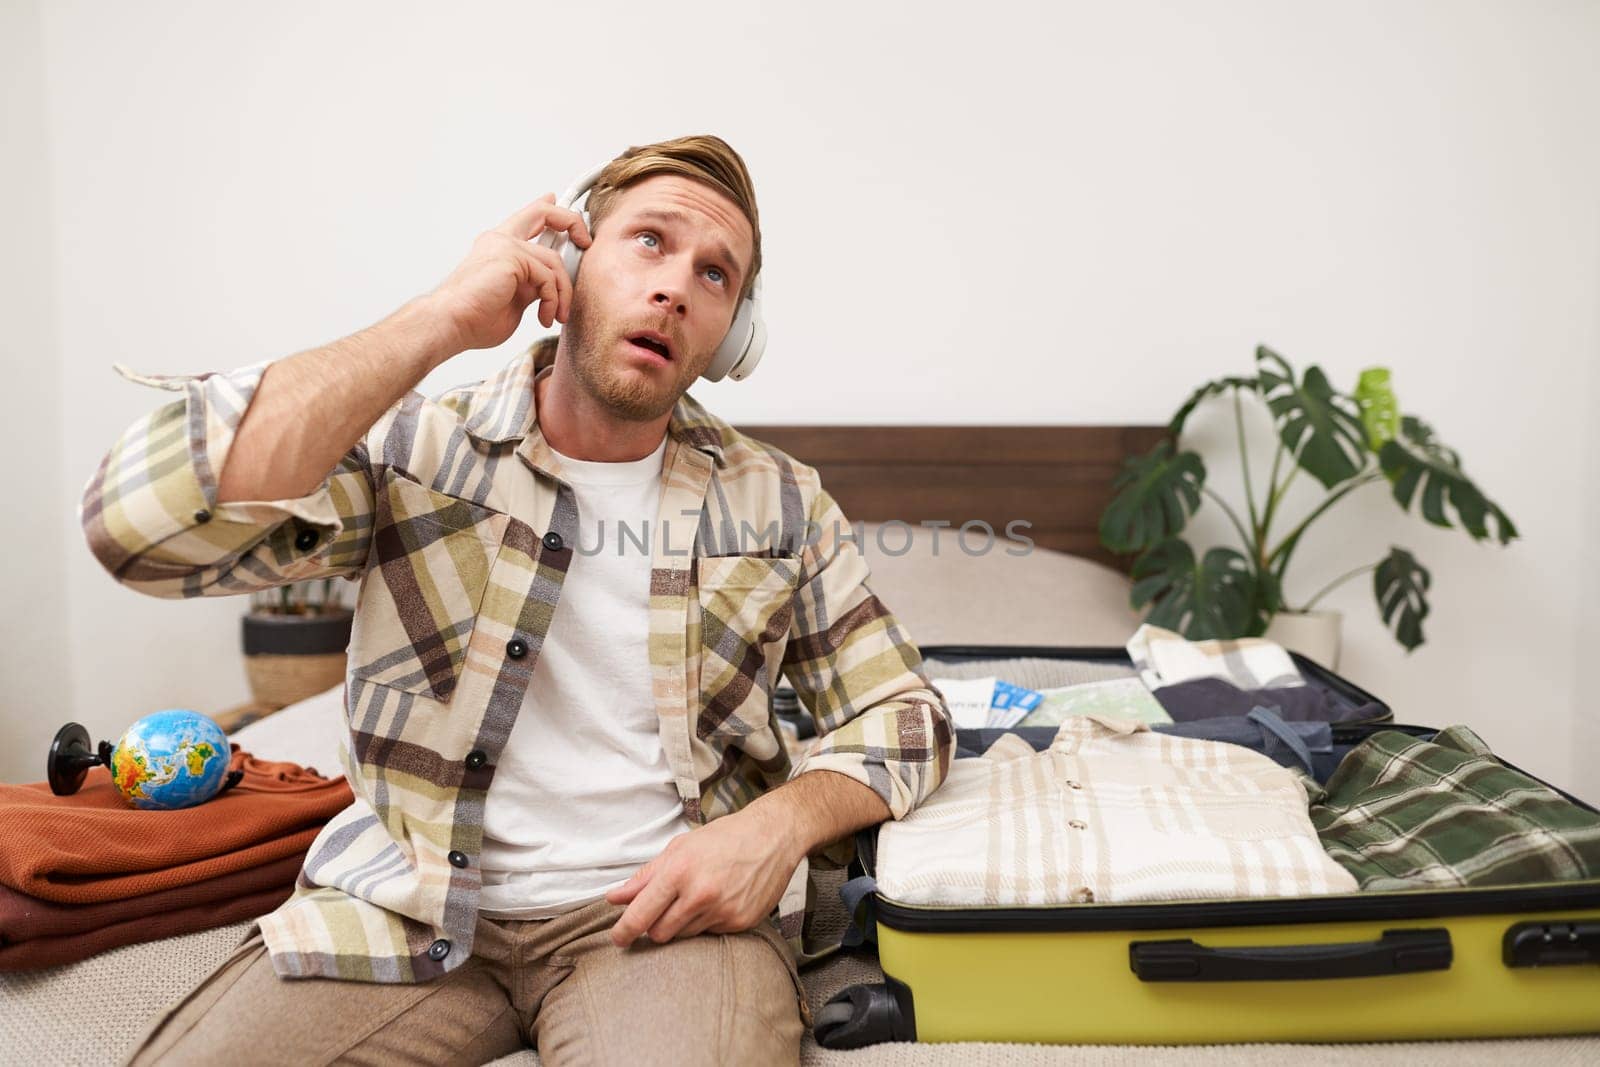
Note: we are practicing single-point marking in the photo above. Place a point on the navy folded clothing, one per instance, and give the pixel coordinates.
(1217, 698)
(1304, 745)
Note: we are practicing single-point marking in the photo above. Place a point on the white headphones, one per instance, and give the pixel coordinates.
(746, 339)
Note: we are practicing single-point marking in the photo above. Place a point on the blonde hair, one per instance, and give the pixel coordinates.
(701, 157)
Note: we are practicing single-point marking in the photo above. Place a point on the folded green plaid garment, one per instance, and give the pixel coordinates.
(1403, 813)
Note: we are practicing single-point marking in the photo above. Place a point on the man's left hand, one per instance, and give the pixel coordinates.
(725, 876)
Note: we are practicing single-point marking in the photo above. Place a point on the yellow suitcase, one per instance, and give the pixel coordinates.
(1487, 962)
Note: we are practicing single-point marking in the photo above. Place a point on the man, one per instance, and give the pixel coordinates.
(576, 823)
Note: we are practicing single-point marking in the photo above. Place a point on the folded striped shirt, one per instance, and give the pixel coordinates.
(1110, 812)
(1165, 658)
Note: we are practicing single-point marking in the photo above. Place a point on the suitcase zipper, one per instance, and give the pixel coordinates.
(1165, 915)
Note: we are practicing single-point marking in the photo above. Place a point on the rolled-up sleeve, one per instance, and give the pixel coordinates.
(879, 720)
(151, 517)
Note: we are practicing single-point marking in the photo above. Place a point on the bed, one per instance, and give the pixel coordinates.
(913, 488)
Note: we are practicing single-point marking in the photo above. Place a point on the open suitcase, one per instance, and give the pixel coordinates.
(1369, 965)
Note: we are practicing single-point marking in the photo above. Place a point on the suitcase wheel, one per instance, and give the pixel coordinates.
(862, 1015)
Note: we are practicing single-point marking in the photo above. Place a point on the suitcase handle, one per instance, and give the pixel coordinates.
(1396, 952)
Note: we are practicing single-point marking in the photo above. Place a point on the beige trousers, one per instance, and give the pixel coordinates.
(557, 984)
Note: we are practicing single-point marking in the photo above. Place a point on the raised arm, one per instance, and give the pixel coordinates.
(263, 476)
(259, 476)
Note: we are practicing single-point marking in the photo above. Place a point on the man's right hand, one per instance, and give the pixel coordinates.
(484, 298)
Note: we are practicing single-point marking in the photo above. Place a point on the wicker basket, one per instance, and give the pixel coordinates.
(288, 658)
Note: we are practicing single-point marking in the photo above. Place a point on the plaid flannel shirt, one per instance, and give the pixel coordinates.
(1404, 813)
(452, 515)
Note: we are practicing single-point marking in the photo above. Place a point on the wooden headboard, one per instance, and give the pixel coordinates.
(1058, 478)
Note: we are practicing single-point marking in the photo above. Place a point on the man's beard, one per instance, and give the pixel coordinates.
(591, 346)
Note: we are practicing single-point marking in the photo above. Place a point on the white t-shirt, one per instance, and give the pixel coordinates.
(583, 795)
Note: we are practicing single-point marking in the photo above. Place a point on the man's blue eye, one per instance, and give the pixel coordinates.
(720, 279)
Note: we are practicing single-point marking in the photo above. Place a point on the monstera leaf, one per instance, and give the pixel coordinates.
(1322, 427)
(1380, 411)
(1156, 494)
(1416, 463)
(1220, 595)
(1402, 587)
(1216, 388)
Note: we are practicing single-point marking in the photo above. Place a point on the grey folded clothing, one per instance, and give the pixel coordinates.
(1215, 698)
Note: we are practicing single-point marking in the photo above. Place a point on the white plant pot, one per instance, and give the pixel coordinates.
(1313, 634)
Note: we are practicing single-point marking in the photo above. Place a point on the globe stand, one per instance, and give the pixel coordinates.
(71, 757)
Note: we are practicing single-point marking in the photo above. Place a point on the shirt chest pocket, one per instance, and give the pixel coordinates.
(429, 568)
(746, 606)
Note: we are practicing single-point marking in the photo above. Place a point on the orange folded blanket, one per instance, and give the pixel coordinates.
(91, 847)
(25, 918)
(54, 951)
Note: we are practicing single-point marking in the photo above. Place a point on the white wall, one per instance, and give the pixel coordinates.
(1586, 713)
(1054, 213)
(37, 693)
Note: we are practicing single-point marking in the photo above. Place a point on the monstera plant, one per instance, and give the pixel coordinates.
(1344, 441)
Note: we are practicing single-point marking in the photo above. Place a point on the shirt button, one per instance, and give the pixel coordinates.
(1078, 824)
(439, 949)
(202, 515)
(1074, 785)
(553, 542)
(306, 539)
(458, 859)
(476, 759)
(516, 648)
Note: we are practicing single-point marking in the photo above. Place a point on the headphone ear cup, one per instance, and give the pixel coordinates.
(571, 254)
(752, 355)
(734, 344)
(746, 340)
